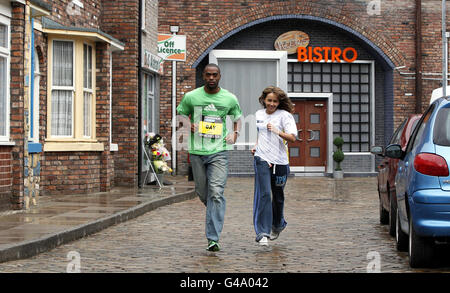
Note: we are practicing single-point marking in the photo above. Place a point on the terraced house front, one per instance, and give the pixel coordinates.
(69, 96)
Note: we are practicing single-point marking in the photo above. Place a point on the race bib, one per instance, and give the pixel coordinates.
(211, 127)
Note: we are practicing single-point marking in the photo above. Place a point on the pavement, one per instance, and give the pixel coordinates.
(59, 219)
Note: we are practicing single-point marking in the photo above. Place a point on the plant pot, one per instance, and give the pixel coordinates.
(338, 174)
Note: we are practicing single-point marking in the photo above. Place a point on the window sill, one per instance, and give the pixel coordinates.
(7, 143)
(73, 147)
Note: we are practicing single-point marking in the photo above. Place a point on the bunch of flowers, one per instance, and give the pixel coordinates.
(158, 153)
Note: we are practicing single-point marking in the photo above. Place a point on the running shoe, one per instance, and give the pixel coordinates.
(213, 246)
(263, 241)
(274, 235)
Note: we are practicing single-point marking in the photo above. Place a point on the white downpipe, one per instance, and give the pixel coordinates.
(444, 52)
(174, 117)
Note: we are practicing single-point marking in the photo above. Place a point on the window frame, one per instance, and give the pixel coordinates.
(33, 135)
(89, 90)
(61, 88)
(5, 52)
(78, 90)
(150, 99)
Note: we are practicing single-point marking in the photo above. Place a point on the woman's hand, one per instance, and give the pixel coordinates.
(253, 150)
(273, 129)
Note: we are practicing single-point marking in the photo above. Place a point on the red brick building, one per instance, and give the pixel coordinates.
(70, 99)
(398, 46)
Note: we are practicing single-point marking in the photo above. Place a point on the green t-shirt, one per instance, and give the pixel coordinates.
(209, 111)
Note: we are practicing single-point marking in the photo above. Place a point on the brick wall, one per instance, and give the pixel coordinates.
(17, 103)
(70, 172)
(150, 36)
(103, 114)
(5, 177)
(120, 19)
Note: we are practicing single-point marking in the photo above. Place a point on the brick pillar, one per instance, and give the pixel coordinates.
(17, 102)
(120, 19)
(103, 83)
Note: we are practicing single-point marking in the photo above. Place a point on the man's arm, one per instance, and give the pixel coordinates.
(232, 137)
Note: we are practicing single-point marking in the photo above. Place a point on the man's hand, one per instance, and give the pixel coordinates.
(194, 127)
(231, 138)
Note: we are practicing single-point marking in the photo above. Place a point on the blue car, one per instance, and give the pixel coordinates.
(423, 185)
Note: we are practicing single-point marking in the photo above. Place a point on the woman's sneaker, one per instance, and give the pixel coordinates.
(274, 235)
(263, 241)
(213, 246)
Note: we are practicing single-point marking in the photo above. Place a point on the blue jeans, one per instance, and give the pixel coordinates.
(210, 176)
(268, 213)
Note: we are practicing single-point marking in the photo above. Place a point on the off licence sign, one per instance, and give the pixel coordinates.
(172, 47)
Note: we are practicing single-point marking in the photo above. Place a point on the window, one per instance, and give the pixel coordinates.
(418, 131)
(350, 85)
(87, 89)
(72, 98)
(441, 135)
(4, 80)
(149, 107)
(398, 133)
(62, 89)
(34, 101)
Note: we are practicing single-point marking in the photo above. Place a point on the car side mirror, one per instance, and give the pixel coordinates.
(377, 150)
(394, 151)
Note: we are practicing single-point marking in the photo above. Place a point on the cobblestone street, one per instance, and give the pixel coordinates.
(331, 228)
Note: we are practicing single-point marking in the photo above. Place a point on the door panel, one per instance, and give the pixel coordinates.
(310, 147)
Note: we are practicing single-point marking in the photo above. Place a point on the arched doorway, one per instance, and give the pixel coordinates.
(358, 89)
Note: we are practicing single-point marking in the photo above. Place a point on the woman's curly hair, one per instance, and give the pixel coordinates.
(285, 102)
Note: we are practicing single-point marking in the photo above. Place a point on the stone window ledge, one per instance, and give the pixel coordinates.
(73, 147)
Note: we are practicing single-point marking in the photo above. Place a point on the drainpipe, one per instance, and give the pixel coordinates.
(139, 116)
(444, 51)
(418, 56)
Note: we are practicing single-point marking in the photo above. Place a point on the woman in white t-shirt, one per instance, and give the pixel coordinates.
(275, 125)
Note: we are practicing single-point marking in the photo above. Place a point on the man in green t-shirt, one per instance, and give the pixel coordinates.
(208, 107)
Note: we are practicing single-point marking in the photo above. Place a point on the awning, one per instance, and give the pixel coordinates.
(52, 27)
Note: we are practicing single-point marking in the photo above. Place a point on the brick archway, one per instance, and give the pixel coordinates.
(379, 44)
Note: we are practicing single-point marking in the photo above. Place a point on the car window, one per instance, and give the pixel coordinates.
(441, 135)
(398, 133)
(418, 131)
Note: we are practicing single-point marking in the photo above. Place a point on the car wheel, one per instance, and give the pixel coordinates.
(392, 216)
(401, 239)
(420, 248)
(384, 215)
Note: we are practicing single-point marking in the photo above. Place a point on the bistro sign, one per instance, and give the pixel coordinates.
(326, 54)
(298, 41)
(290, 41)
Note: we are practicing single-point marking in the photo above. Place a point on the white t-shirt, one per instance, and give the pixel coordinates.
(271, 147)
